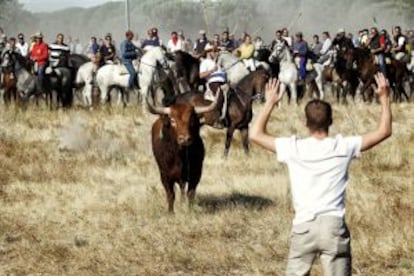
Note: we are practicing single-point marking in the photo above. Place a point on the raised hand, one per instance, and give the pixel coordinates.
(383, 86)
(272, 91)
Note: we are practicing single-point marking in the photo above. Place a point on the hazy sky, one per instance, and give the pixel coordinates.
(52, 5)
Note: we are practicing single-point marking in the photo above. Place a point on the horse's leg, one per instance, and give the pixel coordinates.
(229, 138)
(294, 93)
(282, 90)
(244, 132)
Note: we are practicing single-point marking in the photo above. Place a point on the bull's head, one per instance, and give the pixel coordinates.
(183, 118)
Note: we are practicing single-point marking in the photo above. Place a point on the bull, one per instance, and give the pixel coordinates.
(178, 148)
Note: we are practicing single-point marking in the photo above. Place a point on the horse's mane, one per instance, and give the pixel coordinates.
(247, 80)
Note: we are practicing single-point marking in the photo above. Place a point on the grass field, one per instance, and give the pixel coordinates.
(80, 195)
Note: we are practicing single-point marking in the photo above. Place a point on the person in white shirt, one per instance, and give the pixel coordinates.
(215, 79)
(22, 45)
(287, 38)
(175, 43)
(326, 47)
(318, 171)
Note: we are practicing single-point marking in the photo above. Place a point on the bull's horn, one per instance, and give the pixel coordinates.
(158, 110)
(210, 107)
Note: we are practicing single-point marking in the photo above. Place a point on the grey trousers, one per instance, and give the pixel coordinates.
(327, 237)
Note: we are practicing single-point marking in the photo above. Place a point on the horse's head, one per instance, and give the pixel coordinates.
(7, 60)
(260, 78)
(277, 53)
(161, 57)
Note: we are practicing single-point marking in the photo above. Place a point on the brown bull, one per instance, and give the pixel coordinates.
(178, 148)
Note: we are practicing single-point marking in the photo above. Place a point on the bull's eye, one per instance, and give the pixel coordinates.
(173, 122)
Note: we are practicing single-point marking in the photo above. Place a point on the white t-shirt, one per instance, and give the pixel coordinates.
(24, 48)
(177, 47)
(318, 171)
(326, 46)
(401, 41)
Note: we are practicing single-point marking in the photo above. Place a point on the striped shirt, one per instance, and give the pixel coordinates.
(56, 51)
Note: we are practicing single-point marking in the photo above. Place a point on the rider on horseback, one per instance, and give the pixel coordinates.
(128, 54)
(226, 44)
(40, 55)
(301, 50)
(200, 43)
(326, 47)
(399, 45)
(107, 51)
(246, 52)
(152, 40)
(378, 46)
(210, 72)
(59, 53)
(22, 45)
(277, 41)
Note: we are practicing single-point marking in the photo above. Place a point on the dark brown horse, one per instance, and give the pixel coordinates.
(238, 113)
(9, 86)
(188, 69)
(396, 72)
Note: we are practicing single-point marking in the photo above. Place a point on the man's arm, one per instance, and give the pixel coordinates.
(258, 133)
(384, 129)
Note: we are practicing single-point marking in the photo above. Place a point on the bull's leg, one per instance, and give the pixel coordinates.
(182, 189)
(169, 189)
(191, 193)
(245, 139)
(229, 138)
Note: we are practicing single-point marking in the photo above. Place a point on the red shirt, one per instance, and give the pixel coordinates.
(382, 41)
(40, 53)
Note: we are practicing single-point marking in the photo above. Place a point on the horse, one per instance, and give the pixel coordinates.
(396, 72)
(188, 69)
(239, 105)
(151, 62)
(9, 83)
(288, 74)
(262, 55)
(342, 80)
(234, 68)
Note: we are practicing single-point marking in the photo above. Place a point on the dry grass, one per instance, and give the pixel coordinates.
(80, 195)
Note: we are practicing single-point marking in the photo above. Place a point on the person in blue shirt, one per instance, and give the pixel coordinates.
(128, 54)
(301, 49)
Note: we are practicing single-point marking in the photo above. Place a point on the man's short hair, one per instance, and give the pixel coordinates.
(318, 115)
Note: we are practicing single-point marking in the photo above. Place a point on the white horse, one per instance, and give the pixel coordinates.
(84, 79)
(234, 67)
(112, 75)
(288, 74)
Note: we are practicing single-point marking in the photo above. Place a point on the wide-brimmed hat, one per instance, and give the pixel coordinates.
(38, 35)
(341, 30)
(202, 32)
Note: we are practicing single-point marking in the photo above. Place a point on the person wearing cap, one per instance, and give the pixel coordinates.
(59, 52)
(200, 43)
(175, 43)
(128, 54)
(107, 51)
(210, 72)
(152, 41)
(22, 45)
(40, 56)
(342, 41)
